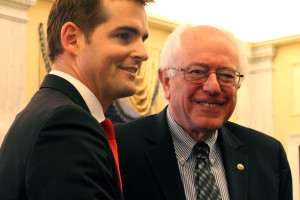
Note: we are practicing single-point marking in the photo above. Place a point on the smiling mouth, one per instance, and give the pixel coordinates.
(209, 104)
(130, 69)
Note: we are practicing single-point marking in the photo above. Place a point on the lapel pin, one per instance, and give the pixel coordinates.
(240, 167)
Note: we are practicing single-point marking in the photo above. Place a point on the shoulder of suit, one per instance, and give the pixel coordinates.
(247, 134)
(140, 122)
(143, 121)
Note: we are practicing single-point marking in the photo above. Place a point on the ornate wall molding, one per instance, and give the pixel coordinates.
(19, 3)
(161, 22)
(15, 10)
(263, 53)
(278, 41)
(255, 98)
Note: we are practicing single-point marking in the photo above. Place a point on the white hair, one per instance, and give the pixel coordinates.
(170, 51)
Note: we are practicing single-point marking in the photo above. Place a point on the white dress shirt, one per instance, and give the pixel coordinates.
(87, 95)
(183, 145)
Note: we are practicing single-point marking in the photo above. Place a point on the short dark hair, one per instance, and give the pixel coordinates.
(86, 14)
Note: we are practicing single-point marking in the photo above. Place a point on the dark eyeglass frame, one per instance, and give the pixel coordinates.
(206, 75)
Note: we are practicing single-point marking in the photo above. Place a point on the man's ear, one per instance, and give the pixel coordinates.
(165, 81)
(70, 37)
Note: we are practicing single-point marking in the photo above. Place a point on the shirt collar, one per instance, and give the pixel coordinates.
(184, 143)
(87, 95)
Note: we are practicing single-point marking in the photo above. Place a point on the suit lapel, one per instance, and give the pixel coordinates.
(235, 164)
(162, 159)
(62, 85)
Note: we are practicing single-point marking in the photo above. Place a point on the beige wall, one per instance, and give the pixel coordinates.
(286, 103)
(288, 55)
(157, 37)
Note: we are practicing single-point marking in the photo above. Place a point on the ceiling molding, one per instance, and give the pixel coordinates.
(161, 22)
(279, 41)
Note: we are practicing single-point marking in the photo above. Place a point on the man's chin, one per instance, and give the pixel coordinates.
(129, 91)
(209, 127)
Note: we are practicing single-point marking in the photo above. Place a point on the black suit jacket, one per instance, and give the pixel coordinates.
(55, 149)
(150, 171)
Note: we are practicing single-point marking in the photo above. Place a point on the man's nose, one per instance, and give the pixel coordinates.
(211, 85)
(140, 51)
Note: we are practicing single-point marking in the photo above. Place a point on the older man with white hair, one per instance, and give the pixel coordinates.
(190, 150)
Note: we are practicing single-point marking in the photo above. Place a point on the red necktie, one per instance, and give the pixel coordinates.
(110, 134)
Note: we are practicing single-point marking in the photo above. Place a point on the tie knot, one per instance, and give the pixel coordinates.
(202, 150)
(108, 128)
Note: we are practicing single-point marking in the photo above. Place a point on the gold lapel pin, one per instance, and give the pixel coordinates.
(240, 167)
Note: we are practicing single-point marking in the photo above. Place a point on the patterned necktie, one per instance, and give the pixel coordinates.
(110, 134)
(205, 183)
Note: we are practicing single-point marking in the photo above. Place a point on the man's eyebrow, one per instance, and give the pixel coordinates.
(131, 29)
(127, 28)
(206, 65)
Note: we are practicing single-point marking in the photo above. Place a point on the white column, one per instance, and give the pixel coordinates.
(12, 59)
(255, 98)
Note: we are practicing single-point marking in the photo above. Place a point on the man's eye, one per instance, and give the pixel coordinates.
(124, 36)
(227, 76)
(199, 72)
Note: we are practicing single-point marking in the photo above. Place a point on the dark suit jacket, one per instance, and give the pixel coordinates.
(55, 149)
(149, 167)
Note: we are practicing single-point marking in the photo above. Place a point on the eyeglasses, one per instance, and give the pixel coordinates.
(197, 74)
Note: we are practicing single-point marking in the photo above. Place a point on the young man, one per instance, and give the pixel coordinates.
(56, 148)
(190, 150)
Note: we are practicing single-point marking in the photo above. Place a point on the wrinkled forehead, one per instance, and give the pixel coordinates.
(206, 36)
(202, 39)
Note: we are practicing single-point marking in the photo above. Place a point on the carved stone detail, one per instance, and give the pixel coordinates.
(263, 53)
(255, 98)
(19, 3)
